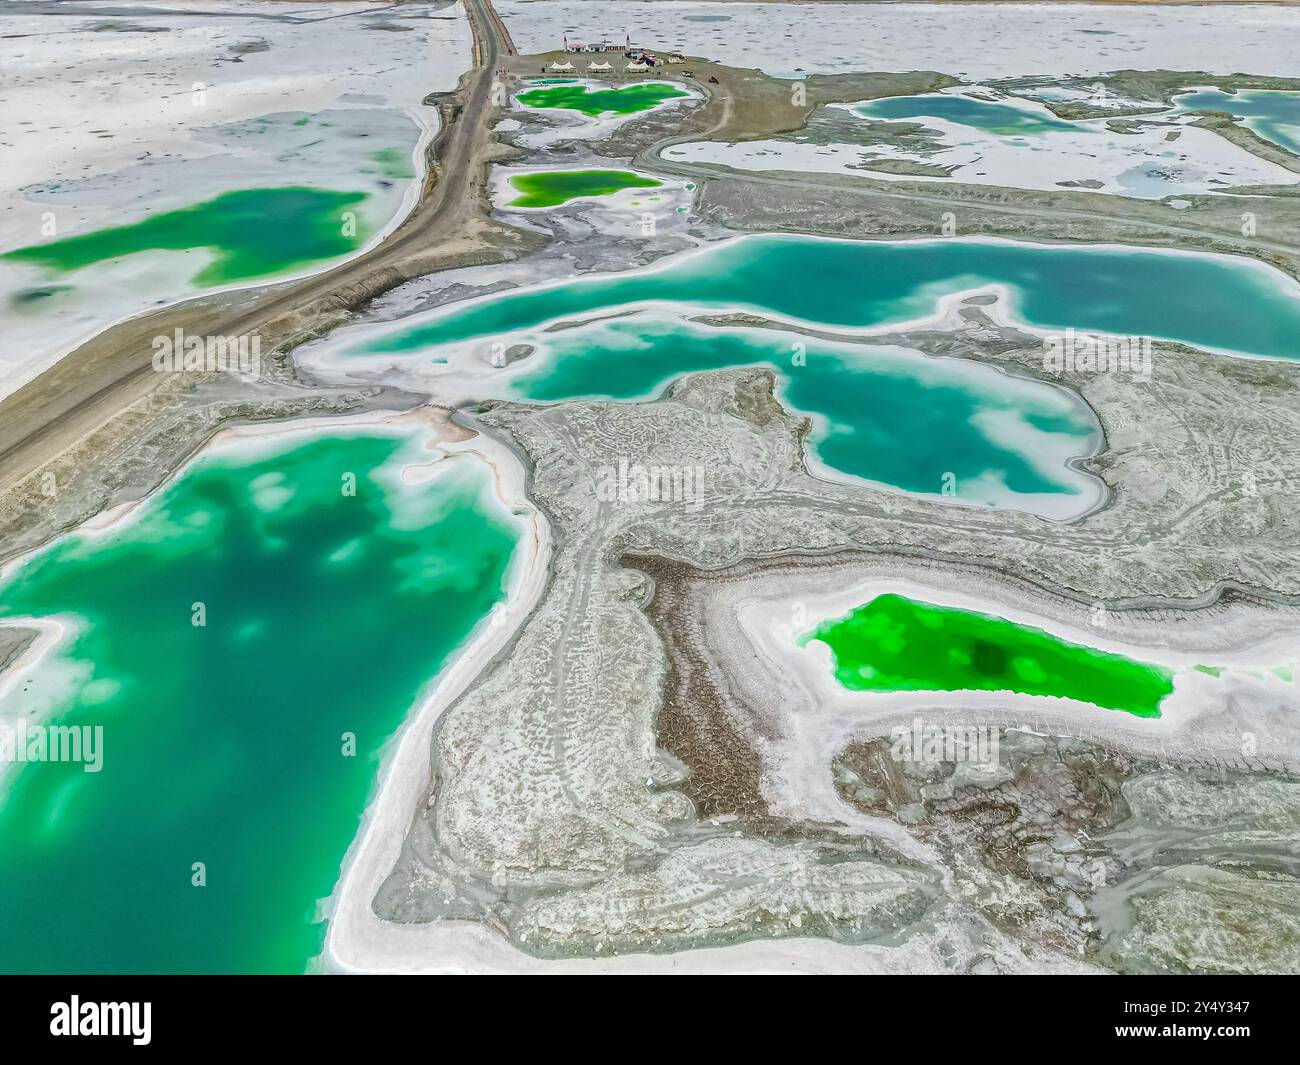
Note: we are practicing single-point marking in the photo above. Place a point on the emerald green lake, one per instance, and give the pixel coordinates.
(326, 613)
(550, 188)
(592, 102)
(251, 233)
(888, 415)
(894, 643)
(1273, 114)
(1214, 302)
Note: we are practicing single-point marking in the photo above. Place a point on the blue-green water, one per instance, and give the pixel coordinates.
(326, 615)
(1218, 303)
(1273, 114)
(997, 118)
(887, 415)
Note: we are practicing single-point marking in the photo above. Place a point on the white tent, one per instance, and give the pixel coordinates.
(599, 66)
(561, 66)
(635, 67)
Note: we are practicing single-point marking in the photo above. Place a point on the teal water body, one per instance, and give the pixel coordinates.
(887, 415)
(1004, 120)
(1218, 303)
(1273, 114)
(327, 614)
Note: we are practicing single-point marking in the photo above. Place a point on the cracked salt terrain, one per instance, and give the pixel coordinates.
(652, 776)
(646, 774)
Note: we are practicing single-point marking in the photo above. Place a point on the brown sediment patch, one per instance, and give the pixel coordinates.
(693, 723)
(696, 726)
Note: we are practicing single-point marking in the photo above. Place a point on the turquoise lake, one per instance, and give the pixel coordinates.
(890, 416)
(1001, 119)
(326, 615)
(891, 421)
(1218, 303)
(1273, 114)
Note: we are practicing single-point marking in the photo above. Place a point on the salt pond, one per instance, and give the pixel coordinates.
(885, 415)
(552, 188)
(248, 234)
(889, 416)
(249, 640)
(597, 101)
(894, 643)
(1273, 114)
(588, 109)
(1216, 302)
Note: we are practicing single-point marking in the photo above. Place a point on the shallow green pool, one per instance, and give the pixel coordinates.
(894, 643)
(551, 188)
(592, 102)
(251, 233)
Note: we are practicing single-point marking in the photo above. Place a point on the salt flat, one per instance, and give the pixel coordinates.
(969, 40)
(113, 117)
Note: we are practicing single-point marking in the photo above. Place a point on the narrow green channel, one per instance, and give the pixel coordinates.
(624, 100)
(894, 643)
(551, 188)
(1215, 302)
(250, 233)
(327, 614)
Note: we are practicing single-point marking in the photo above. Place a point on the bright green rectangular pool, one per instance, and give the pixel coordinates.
(893, 643)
